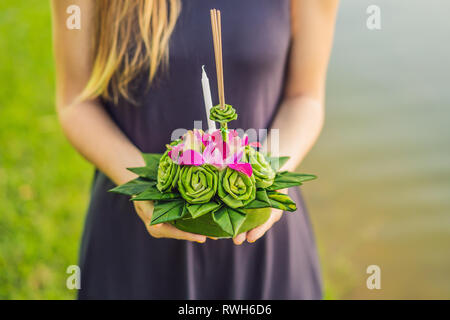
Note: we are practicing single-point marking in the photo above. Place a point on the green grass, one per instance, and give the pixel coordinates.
(44, 184)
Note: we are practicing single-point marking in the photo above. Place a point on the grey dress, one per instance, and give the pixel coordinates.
(119, 259)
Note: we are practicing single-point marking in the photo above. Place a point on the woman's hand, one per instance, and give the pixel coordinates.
(258, 232)
(163, 230)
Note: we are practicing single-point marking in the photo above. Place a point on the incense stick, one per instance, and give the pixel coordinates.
(217, 39)
(219, 27)
(216, 50)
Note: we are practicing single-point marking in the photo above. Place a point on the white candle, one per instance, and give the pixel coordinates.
(208, 99)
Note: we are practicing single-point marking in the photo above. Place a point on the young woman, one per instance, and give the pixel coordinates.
(130, 76)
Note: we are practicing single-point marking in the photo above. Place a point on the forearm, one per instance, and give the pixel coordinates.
(299, 121)
(92, 132)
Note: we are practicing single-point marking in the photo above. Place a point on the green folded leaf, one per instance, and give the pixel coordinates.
(223, 114)
(254, 218)
(168, 173)
(197, 210)
(207, 226)
(261, 194)
(166, 211)
(202, 225)
(281, 201)
(175, 142)
(261, 200)
(257, 204)
(277, 162)
(198, 184)
(150, 171)
(155, 194)
(262, 170)
(147, 176)
(236, 189)
(287, 179)
(152, 159)
(133, 187)
(293, 176)
(230, 220)
(146, 172)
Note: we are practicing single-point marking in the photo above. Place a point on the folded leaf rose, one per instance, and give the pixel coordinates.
(168, 172)
(223, 115)
(198, 184)
(236, 189)
(264, 174)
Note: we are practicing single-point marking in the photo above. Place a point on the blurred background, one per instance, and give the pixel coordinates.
(383, 197)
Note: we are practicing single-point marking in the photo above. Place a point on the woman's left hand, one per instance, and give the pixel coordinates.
(258, 232)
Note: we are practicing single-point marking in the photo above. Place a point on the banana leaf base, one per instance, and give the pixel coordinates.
(205, 225)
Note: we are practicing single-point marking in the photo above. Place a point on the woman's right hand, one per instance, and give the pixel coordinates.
(163, 230)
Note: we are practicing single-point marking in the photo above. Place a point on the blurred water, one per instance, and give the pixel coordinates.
(384, 157)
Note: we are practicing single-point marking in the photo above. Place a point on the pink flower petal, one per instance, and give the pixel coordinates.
(198, 135)
(232, 134)
(235, 144)
(192, 158)
(245, 168)
(216, 136)
(206, 139)
(174, 153)
(223, 148)
(213, 157)
(238, 156)
(245, 141)
(208, 153)
(209, 148)
(255, 144)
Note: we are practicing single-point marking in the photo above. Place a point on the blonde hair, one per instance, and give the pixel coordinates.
(131, 36)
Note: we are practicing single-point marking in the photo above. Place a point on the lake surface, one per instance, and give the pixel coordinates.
(383, 160)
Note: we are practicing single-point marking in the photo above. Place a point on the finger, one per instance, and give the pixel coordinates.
(168, 231)
(277, 214)
(157, 226)
(145, 208)
(258, 232)
(240, 238)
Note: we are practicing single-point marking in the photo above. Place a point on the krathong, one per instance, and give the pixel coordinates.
(214, 183)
